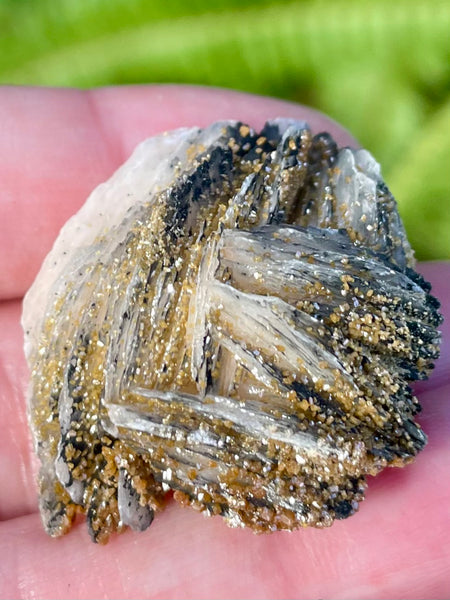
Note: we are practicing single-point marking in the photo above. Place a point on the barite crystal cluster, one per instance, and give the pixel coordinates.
(234, 316)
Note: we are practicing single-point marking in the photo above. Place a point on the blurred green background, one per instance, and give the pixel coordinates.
(380, 67)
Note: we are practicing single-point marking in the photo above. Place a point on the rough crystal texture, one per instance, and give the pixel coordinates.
(233, 316)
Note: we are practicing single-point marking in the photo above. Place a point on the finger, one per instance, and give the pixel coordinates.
(17, 462)
(58, 144)
(52, 154)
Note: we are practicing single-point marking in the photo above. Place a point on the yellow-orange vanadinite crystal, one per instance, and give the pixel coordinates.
(234, 316)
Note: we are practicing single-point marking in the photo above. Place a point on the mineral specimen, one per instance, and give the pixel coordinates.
(233, 316)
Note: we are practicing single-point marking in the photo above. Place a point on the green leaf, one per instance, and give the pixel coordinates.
(381, 68)
(420, 183)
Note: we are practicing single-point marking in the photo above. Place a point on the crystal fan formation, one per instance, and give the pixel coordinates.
(233, 316)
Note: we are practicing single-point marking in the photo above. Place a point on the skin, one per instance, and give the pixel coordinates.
(55, 147)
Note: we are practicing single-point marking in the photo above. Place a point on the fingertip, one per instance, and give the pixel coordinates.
(136, 112)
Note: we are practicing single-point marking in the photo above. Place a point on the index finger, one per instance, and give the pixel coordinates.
(58, 144)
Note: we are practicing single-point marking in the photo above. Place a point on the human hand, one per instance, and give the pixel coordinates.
(56, 146)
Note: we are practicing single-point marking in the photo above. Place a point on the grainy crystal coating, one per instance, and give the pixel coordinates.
(234, 316)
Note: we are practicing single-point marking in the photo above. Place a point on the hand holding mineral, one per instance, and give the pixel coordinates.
(264, 303)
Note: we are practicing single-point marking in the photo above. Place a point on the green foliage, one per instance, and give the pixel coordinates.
(381, 68)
